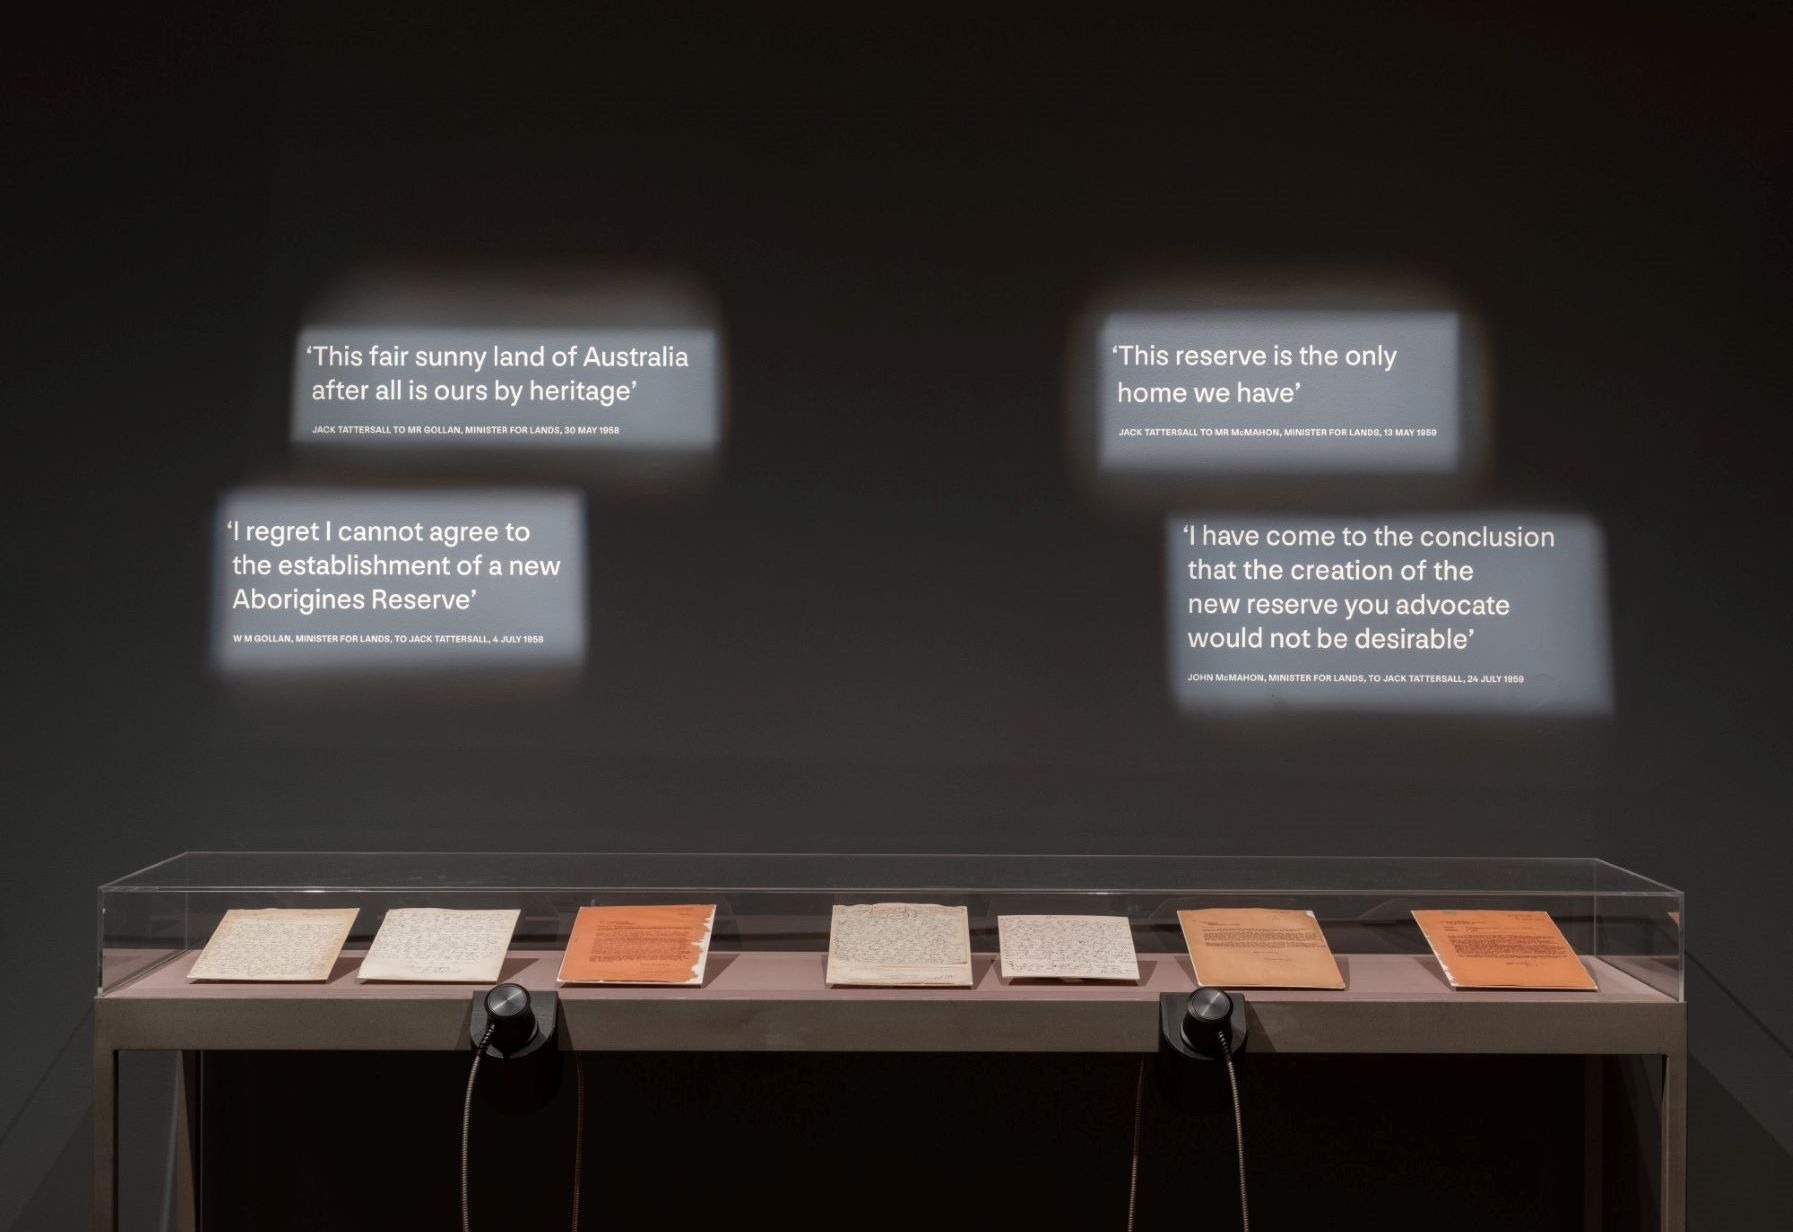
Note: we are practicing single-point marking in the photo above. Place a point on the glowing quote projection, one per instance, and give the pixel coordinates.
(1486, 613)
(557, 388)
(1265, 392)
(341, 580)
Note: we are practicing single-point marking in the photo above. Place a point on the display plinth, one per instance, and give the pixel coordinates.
(777, 1002)
(764, 989)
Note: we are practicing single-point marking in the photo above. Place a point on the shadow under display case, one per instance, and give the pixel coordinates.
(764, 988)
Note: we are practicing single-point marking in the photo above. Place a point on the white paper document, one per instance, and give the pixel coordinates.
(1067, 947)
(436, 945)
(275, 943)
(897, 944)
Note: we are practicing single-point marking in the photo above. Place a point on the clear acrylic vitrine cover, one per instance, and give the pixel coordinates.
(783, 901)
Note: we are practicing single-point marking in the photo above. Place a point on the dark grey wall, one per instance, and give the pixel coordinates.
(892, 623)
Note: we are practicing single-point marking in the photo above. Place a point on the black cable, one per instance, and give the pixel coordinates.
(1232, 1077)
(467, 1123)
(578, 1130)
(467, 1128)
(1139, 1099)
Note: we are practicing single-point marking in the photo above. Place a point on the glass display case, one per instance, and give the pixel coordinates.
(1617, 919)
(764, 989)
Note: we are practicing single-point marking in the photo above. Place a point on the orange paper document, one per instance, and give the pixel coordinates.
(1502, 949)
(1258, 947)
(639, 945)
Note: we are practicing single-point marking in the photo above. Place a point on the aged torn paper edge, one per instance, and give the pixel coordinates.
(700, 942)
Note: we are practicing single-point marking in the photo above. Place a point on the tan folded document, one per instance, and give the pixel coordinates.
(1502, 949)
(1258, 947)
(275, 944)
(639, 945)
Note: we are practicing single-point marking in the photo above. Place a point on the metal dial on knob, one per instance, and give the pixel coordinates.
(511, 1016)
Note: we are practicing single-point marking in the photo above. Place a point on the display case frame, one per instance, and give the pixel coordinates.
(764, 990)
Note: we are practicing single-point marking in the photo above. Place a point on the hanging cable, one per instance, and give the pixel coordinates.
(1232, 1078)
(578, 1130)
(1139, 1100)
(467, 1124)
(511, 1020)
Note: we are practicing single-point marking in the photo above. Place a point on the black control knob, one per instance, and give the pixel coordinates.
(1208, 1024)
(510, 1016)
(1208, 1009)
(1213, 1024)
